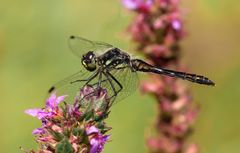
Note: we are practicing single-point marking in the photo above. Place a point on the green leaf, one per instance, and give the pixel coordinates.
(78, 132)
(89, 115)
(57, 136)
(66, 133)
(64, 147)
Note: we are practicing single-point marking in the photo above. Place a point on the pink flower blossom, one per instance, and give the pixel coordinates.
(97, 143)
(70, 128)
(142, 5)
(97, 139)
(50, 109)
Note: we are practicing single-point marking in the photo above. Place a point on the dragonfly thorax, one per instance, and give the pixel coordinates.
(89, 61)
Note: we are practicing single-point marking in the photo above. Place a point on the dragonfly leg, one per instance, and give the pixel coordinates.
(77, 105)
(119, 84)
(97, 82)
(88, 80)
(114, 90)
(91, 78)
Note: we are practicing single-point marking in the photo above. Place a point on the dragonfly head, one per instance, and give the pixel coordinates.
(89, 61)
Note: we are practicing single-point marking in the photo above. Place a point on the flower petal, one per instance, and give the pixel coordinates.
(38, 131)
(137, 4)
(176, 24)
(105, 138)
(50, 103)
(33, 112)
(91, 130)
(95, 145)
(130, 4)
(59, 99)
(43, 114)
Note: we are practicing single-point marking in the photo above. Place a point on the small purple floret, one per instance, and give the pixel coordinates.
(137, 4)
(92, 130)
(49, 110)
(33, 112)
(38, 131)
(97, 143)
(53, 101)
(176, 24)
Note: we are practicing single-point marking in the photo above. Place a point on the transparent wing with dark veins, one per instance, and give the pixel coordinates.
(80, 46)
(124, 76)
(71, 85)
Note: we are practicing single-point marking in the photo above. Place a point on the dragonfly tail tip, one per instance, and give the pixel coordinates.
(212, 84)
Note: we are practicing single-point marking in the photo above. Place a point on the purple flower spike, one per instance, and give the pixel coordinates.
(55, 121)
(157, 30)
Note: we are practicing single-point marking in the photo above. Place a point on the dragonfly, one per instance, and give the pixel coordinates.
(108, 67)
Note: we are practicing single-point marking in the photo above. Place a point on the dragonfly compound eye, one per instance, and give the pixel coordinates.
(89, 61)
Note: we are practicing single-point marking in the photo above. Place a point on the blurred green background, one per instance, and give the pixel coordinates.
(34, 54)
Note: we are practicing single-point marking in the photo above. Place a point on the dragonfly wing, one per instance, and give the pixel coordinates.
(79, 45)
(119, 83)
(126, 78)
(71, 85)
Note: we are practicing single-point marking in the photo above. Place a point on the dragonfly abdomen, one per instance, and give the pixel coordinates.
(142, 66)
(195, 78)
(185, 76)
